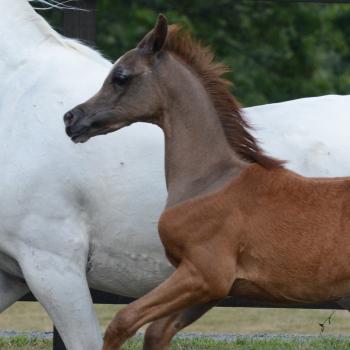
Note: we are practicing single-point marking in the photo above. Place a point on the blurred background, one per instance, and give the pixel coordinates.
(277, 50)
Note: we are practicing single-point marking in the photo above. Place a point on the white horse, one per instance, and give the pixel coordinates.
(64, 228)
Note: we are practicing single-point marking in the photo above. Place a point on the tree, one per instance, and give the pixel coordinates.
(277, 51)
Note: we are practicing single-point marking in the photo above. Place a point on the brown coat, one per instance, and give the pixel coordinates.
(282, 236)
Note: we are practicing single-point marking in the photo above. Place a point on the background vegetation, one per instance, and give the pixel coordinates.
(277, 51)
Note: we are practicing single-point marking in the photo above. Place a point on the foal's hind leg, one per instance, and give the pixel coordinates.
(159, 334)
(11, 290)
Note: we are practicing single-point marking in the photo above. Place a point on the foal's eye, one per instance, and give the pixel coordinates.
(119, 79)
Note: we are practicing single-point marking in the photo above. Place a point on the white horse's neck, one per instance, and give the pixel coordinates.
(22, 32)
(25, 37)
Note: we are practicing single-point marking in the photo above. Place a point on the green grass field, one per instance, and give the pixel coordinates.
(31, 316)
(22, 343)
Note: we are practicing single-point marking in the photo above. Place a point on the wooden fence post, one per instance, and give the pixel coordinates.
(57, 341)
(81, 24)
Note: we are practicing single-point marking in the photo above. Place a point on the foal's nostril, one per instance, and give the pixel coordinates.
(68, 118)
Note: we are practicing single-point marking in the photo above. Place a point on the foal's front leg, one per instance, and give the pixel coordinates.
(186, 287)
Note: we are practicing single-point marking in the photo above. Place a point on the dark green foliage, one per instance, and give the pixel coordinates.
(277, 51)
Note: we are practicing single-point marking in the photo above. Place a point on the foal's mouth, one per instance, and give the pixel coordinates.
(83, 135)
(78, 136)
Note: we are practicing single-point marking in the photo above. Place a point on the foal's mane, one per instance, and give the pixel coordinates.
(236, 128)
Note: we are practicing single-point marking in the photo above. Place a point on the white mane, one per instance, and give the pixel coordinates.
(51, 34)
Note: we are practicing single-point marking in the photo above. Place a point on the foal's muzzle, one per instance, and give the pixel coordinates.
(69, 118)
(75, 126)
(72, 117)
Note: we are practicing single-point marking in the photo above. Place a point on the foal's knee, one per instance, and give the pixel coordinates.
(122, 325)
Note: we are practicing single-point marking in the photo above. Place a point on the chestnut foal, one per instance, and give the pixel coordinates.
(236, 222)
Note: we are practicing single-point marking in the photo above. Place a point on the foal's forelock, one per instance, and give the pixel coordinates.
(236, 128)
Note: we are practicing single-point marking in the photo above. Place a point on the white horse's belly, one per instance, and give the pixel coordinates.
(126, 256)
(10, 266)
(130, 272)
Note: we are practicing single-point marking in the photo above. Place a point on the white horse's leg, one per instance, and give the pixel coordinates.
(61, 287)
(11, 289)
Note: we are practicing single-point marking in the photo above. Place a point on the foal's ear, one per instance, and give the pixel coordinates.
(154, 41)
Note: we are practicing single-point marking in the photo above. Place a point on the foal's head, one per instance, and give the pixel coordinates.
(132, 92)
(145, 83)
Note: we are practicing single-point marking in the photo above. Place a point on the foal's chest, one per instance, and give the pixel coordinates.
(208, 222)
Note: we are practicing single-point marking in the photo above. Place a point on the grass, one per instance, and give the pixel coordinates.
(320, 343)
(31, 316)
(24, 343)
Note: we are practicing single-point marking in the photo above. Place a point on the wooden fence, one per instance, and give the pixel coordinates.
(82, 25)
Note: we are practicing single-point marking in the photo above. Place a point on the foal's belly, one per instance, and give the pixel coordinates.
(291, 289)
(254, 291)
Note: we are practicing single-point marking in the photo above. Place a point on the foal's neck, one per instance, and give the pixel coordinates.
(198, 157)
